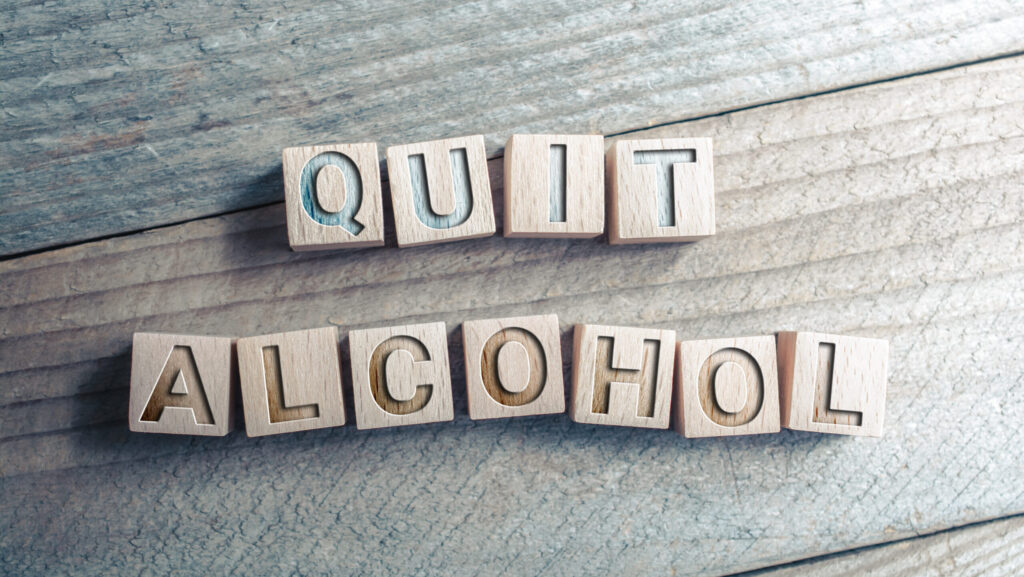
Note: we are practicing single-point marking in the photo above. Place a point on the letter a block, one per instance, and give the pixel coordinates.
(291, 381)
(660, 190)
(727, 387)
(401, 376)
(332, 196)
(440, 191)
(182, 385)
(513, 367)
(554, 186)
(622, 376)
(833, 383)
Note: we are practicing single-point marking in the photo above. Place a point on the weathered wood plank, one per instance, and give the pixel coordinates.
(120, 116)
(894, 211)
(993, 549)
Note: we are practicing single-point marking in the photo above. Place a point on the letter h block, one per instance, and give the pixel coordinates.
(660, 190)
(622, 376)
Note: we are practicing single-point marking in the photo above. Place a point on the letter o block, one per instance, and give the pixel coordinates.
(727, 387)
(622, 376)
(833, 383)
(401, 376)
(660, 190)
(332, 196)
(182, 385)
(513, 367)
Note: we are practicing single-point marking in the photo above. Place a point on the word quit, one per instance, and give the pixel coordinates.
(632, 377)
(658, 191)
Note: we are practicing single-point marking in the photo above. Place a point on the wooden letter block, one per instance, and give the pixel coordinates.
(513, 367)
(833, 383)
(440, 191)
(332, 196)
(727, 387)
(401, 376)
(622, 376)
(554, 186)
(661, 190)
(291, 381)
(182, 385)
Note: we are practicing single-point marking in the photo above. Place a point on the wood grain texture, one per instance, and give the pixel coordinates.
(440, 191)
(333, 196)
(291, 381)
(513, 367)
(115, 114)
(990, 549)
(554, 186)
(622, 376)
(894, 211)
(833, 383)
(401, 375)
(182, 384)
(726, 387)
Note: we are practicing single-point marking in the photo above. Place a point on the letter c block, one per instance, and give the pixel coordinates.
(401, 376)
(182, 385)
(332, 196)
(513, 367)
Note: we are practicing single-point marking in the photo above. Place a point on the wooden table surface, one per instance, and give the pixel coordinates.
(869, 166)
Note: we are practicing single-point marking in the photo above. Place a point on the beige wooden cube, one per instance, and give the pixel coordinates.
(333, 196)
(660, 190)
(291, 381)
(833, 383)
(727, 387)
(513, 367)
(401, 375)
(440, 191)
(622, 376)
(182, 384)
(554, 186)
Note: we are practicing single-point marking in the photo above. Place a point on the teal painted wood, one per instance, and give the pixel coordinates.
(556, 183)
(344, 218)
(121, 116)
(421, 193)
(663, 160)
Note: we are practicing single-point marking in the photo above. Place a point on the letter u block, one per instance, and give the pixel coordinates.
(833, 383)
(660, 190)
(291, 381)
(401, 375)
(440, 191)
(622, 376)
(182, 385)
(332, 196)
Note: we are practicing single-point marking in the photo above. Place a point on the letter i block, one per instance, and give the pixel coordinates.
(440, 191)
(332, 196)
(622, 376)
(182, 385)
(401, 375)
(727, 387)
(554, 186)
(833, 383)
(513, 367)
(660, 190)
(291, 381)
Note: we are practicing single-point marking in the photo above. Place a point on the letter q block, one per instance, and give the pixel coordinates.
(332, 196)
(833, 383)
(660, 190)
